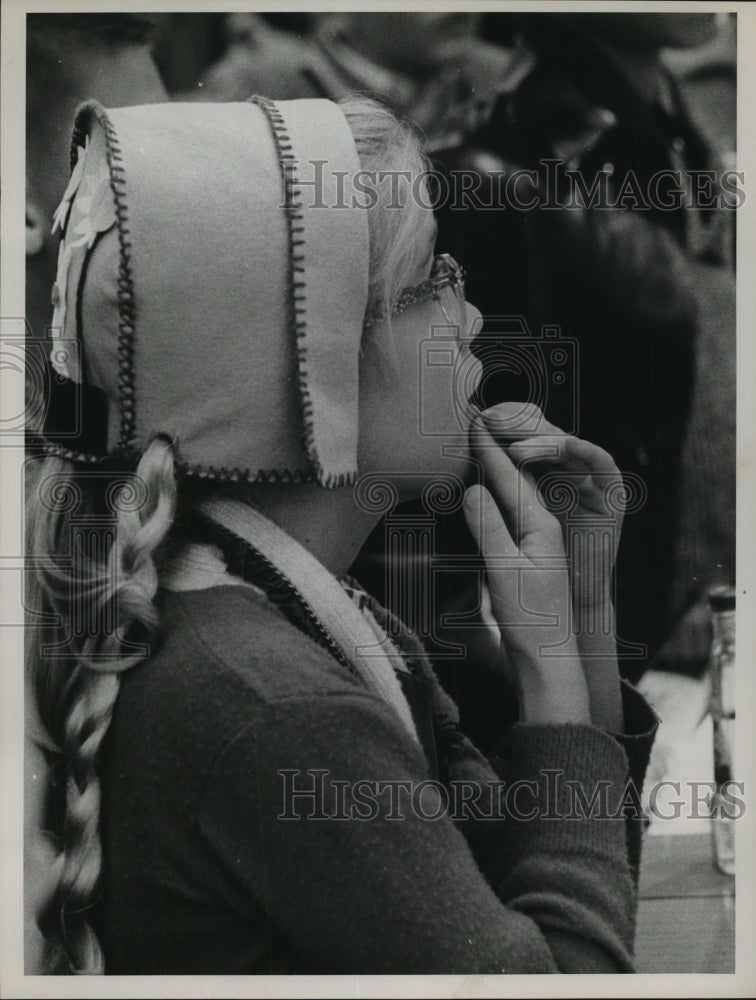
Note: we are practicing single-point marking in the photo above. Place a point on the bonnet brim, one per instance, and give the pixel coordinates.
(213, 288)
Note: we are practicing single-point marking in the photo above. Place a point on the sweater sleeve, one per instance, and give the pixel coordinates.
(321, 810)
(637, 740)
(462, 762)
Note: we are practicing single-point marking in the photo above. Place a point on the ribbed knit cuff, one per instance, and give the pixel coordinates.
(571, 789)
(640, 728)
(639, 733)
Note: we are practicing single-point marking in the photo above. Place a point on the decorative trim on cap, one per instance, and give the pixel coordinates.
(223, 475)
(130, 458)
(58, 451)
(295, 265)
(126, 306)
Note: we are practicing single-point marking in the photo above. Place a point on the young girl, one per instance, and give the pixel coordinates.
(252, 766)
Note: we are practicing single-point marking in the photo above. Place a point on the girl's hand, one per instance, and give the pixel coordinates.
(588, 487)
(528, 584)
(579, 481)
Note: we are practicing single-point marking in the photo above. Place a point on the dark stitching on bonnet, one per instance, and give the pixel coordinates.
(72, 456)
(237, 475)
(297, 285)
(295, 258)
(130, 458)
(126, 306)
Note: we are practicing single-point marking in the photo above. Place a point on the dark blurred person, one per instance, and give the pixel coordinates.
(707, 79)
(431, 67)
(259, 58)
(646, 291)
(69, 58)
(185, 44)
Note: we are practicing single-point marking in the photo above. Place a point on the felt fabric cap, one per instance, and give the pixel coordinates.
(211, 292)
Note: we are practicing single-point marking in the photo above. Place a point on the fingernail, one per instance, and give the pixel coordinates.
(494, 418)
(472, 497)
(475, 497)
(513, 415)
(478, 423)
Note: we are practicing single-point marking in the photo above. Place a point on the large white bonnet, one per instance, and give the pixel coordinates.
(212, 286)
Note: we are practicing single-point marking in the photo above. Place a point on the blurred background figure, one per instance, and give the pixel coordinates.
(257, 57)
(646, 293)
(707, 78)
(184, 45)
(69, 58)
(223, 51)
(431, 67)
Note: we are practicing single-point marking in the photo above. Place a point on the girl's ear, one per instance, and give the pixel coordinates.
(35, 227)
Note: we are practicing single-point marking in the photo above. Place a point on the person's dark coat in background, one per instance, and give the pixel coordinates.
(445, 99)
(647, 294)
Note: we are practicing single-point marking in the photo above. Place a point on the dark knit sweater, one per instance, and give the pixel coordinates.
(208, 868)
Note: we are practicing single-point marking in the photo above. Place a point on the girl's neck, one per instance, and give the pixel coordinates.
(328, 523)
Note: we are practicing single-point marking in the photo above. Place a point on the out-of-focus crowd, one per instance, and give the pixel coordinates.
(585, 170)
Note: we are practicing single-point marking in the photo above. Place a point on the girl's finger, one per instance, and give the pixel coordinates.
(515, 421)
(487, 526)
(496, 545)
(530, 525)
(532, 435)
(571, 453)
(591, 470)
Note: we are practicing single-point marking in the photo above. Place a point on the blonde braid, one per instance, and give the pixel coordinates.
(78, 687)
(78, 864)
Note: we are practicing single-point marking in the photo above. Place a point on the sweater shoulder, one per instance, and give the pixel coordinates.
(226, 660)
(232, 633)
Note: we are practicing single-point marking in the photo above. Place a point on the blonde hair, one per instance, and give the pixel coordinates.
(94, 545)
(401, 224)
(101, 589)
